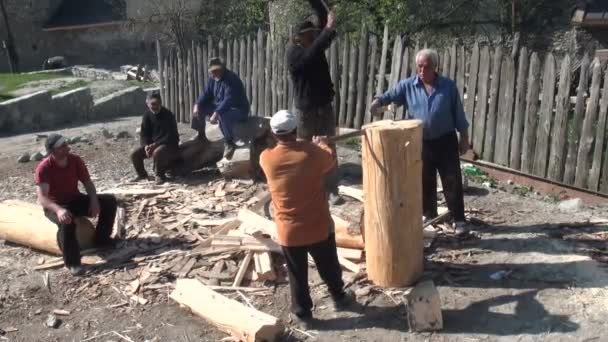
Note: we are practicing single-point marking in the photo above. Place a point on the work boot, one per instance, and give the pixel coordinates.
(461, 228)
(76, 271)
(345, 302)
(160, 179)
(306, 322)
(139, 178)
(229, 148)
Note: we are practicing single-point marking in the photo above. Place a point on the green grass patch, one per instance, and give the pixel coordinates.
(71, 86)
(12, 82)
(143, 85)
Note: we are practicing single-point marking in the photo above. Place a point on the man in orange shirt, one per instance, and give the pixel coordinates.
(296, 171)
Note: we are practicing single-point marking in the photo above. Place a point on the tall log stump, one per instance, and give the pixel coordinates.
(392, 183)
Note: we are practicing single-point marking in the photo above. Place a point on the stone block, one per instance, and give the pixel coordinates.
(127, 102)
(423, 307)
(26, 113)
(73, 105)
(239, 166)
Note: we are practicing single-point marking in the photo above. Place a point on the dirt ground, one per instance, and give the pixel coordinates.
(555, 291)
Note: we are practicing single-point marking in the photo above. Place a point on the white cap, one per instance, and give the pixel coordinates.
(283, 122)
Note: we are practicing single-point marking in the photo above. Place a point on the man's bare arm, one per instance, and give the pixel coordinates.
(90, 189)
(42, 191)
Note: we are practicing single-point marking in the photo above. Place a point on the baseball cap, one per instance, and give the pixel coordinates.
(305, 27)
(54, 141)
(283, 122)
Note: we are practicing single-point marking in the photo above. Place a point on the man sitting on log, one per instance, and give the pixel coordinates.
(225, 102)
(435, 100)
(313, 88)
(296, 171)
(159, 140)
(57, 178)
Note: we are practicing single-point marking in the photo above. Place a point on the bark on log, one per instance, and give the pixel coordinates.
(25, 224)
(393, 202)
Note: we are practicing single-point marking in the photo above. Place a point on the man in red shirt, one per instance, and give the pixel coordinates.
(296, 171)
(57, 178)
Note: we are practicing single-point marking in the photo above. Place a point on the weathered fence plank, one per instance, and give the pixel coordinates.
(505, 112)
(453, 62)
(351, 102)
(541, 151)
(268, 79)
(274, 77)
(254, 78)
(383, 61)
(235, 57)
(205, 73)
(461, 75)
(371, 76)
(189, 86)
(600, 134)
(249, 70)
(531, 116)
(243, 59)
(405, 64)
(181, 85)
(345, 42)
(483, 83)
(445, 63)
(228, 60)
(557, 154)
(201, 69)
(414, 68)
(334, 65)
(221, 50)
(260, 76)
(520, 109)
(161, 70)
(362, 78)
(489, 139)
(577, 120)
(469, 109)
(588, 132)
(395, 69)
(173, 83)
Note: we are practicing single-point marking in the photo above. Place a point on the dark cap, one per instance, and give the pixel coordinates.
(53, 141)
(306, 26)
(216, 63)
(153, 96)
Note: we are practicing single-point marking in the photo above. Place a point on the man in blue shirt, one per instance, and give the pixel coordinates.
(225, 102)
(435, 100)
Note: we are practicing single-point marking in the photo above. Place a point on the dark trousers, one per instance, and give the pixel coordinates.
(320, 121)
(164, 157)
(442, 155)
(325, 255)
(79, 207)
(226, 121)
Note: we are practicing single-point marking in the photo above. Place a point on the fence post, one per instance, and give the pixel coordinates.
(268, 78)
(344, 81)
(488, 148)
(531, 116)
(541, 150)
(594, 174)
(352, 86)
(362, 78)
(557, 154)
(469, 109)
(504, 115)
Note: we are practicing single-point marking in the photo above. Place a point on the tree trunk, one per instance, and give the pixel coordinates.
(9, 45)
(393, 202)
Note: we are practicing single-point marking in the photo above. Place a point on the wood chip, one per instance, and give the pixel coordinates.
(61, 312)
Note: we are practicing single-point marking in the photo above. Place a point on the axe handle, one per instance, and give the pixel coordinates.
(347, 135)
(325, 5)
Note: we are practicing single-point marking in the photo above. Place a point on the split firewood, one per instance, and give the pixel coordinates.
(242, 269)
(254, 224)
(263, 267)
(351, 192)
(351, 254)
(134, 192)
(244, 323)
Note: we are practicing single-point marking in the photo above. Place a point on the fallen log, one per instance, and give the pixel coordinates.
(244, 323)
(25, 224)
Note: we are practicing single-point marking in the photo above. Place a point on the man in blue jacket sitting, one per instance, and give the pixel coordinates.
(225, 102)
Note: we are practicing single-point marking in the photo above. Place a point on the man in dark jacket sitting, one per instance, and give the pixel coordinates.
(159, 140)
(224, 101)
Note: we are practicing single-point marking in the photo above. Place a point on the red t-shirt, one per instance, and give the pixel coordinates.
(62, 181)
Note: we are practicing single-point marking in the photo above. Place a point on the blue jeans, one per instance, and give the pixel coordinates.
(226, 122)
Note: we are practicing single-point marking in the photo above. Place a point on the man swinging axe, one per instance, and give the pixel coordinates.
(313, 88)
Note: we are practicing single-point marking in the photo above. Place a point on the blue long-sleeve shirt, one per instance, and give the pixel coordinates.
(441, 112)
(227, 93)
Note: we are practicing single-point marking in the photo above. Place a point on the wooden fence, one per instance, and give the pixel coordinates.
(524, 113)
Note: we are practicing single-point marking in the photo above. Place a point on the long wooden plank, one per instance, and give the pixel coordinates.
(161, 69)
(405, 65)
(383, 60)
(489, 139)
(236, 52)
(282, 84)
(274, 77)
(600, 134)
(243, 59)
(557, 153)
(395, 69)
(520, 109)
(531, 116)
(461, 75)
(228, 59)
(205, 63)
(195, 76)
(445, 60)
(361, 79)
(541, 151)
(242, 269)
(351, 102)
(588, 132)
(371, 76)
(414, 67)
(165, 94)
(180, 87)
(579, 112)
(482, 83)
(470, 109)
(202, 67)
(173, 82)
(243, 322)
(189, 87)
(261, 52)
(345, 42)
(505, 112)
(267, 78)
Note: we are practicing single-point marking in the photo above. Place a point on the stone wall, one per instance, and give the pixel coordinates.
(127, 102)
(40, 111)
(92, 73)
